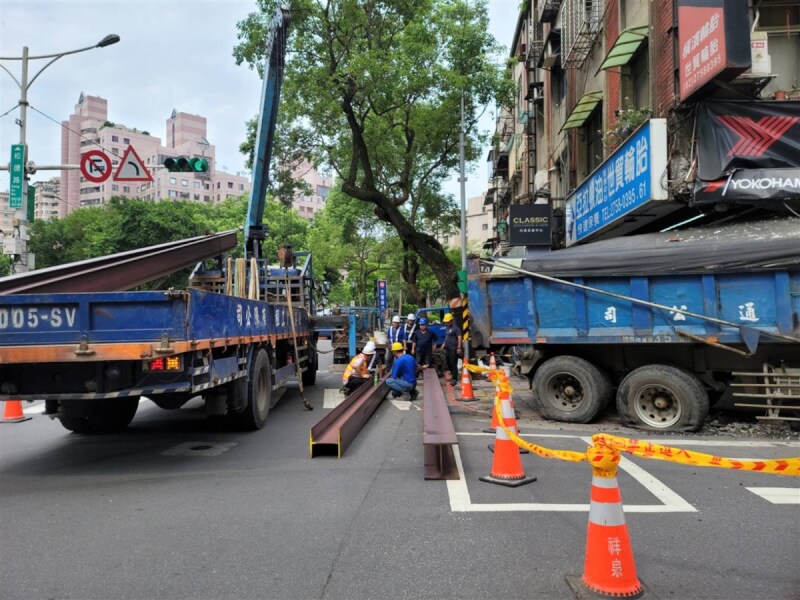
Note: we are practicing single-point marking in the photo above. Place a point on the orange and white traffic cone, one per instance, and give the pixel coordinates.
(492, 361)
(467, 394)
(510, 423)
(494, 424)
(506, 462)
(609, 568)
(12, 413)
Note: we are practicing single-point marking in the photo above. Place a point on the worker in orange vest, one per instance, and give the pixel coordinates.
(359, 370)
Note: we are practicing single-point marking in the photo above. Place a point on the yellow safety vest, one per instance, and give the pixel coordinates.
(358, 364)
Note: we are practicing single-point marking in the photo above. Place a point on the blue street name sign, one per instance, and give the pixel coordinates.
(382, 300)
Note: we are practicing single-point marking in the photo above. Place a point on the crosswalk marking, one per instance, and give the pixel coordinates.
(777, 495)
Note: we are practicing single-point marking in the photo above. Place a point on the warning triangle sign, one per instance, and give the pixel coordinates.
(131, 168)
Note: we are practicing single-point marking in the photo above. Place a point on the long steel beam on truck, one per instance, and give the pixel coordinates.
(336, 430)
(122, 271)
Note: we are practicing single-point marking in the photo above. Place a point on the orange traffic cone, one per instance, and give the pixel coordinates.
(467, 394)
(492, 361)
(510, 423)
(494, 424)
(12, 413)
(506, 463)
(608, 568)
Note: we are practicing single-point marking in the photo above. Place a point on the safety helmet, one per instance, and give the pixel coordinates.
(369, 348)
(411, 317)
(423, 321)
(448, 317)
(396, 319)
(397, 346)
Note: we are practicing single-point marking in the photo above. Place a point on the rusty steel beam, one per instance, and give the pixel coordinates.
(336, 430)
(438, 433)
(122, 271)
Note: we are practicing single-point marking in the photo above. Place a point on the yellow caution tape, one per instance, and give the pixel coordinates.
(779, 466)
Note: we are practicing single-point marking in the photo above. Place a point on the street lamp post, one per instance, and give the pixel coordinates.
(463, 180)
(20, 229)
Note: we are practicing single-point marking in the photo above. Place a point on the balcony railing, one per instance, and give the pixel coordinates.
(582, 22)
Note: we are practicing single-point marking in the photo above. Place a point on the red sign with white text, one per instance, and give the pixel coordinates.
(702, 51)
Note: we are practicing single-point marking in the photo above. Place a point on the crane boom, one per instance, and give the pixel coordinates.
(267, 119)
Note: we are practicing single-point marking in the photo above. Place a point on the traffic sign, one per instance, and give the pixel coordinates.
(382, 299)
(132, 168)
(96, 166)
(17, 171)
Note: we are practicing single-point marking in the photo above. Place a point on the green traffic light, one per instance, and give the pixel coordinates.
(185, 164)
(199, 165)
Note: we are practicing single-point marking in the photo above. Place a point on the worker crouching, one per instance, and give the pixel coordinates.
(359, 370)
(403, 378)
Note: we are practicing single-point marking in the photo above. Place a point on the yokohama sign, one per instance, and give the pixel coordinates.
(748, 151)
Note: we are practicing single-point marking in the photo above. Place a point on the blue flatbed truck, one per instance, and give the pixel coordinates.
(92, 356)
(672, 321)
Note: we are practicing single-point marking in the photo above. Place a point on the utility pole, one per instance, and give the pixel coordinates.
(463, 180)
(17, 246)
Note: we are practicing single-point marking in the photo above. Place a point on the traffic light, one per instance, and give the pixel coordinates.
(185, 164)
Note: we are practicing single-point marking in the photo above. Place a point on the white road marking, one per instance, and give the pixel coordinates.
(332, 398)
(777, 495)
(460, 500)
(400, 404)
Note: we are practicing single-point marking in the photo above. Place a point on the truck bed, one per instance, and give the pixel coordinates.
(134, 325)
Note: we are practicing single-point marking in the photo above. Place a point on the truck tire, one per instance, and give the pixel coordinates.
(98, 416)
(259, 394)
(570, 389)
(310, 374)
(662, 398)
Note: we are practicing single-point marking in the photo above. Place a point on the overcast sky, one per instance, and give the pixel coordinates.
(173, 54)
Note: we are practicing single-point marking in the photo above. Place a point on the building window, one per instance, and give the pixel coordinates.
(230, 185)
(172, 194)
(126, 189)
(185, 182)
(197, 185)
(485, 227)
(207, 186)
(241, 187)
(196, 197)
(594, 140)
(218, 188)
(114, 187)
(207, 198)
(126, 140)
(173, 181)
(115, 151)
(114, 138)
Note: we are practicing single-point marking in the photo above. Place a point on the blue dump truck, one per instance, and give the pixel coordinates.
(672, 321)
(240, 331)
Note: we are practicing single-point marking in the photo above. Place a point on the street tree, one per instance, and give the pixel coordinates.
(377, 88)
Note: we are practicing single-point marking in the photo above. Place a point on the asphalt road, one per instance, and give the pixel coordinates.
(174, 509)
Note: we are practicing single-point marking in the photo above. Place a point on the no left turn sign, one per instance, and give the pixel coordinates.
(96, 166)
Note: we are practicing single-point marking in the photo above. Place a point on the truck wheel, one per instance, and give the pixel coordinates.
(570, 389)
(310, 374)
(662, 397)
(259, 394)
(98, 416)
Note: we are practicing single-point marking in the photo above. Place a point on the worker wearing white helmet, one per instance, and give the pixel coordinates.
(395, 333)
(358, 371)
(409, 330)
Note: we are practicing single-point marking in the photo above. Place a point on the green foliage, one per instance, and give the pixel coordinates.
(628, 118)
(375, 91)
(5, 265)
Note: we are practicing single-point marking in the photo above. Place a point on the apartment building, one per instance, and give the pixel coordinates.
(307, 203)
(480, 226)
(47, 200)
(88, 128)
(617, 116)
(6, 214)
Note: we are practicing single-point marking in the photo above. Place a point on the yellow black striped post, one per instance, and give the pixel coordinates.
(465, 324)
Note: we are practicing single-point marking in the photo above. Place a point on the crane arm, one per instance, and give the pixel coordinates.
(267, 119)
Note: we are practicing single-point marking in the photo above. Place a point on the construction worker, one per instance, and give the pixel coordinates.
(408, 330)
(452, 347)
(422, 346)
(359, 370)
(403, 378)
(395, 333)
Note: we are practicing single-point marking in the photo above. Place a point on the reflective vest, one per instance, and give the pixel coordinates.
(357, 364)
(394, 334)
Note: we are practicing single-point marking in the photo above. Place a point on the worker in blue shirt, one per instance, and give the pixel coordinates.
(422, 344)
(403, 378)
(395, 333)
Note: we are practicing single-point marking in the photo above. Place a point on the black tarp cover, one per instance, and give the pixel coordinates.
(772, 244)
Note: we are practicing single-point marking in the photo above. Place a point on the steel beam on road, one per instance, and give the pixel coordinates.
(438, 433)
(336, 430)
(122, 271)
